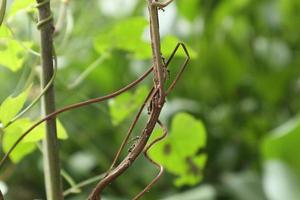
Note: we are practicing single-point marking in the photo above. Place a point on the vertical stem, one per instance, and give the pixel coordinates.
(51, 150)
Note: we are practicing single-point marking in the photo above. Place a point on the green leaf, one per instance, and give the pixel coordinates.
(4, 32)
(178, 152)
(11, 134)
(188, 8)
(21, 5)
(229, 8)
(11, 54)
(39, 132)
(28, 144)
(127, 35)
(124, 105)
(124, 35)
(169, 43)
(11, 106)
(282, 143)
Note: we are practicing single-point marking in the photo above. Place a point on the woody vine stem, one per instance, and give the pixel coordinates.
(53, 182)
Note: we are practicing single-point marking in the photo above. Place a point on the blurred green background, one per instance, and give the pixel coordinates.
(242, 85)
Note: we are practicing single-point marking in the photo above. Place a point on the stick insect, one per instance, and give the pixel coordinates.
(155, 101)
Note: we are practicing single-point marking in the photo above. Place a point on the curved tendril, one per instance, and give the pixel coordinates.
(33, 52)
(160, 167)
(73, 106)
(82, 76)
(47, 19)
(44, 90)
(2, 11)
(49, 84)
(83, 184)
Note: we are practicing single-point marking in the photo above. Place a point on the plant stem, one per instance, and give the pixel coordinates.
(51, 150)
(83, 184)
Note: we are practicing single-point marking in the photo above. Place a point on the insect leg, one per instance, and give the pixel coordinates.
(160, 167)
(182, 68)
(129, 132)
(161, 5)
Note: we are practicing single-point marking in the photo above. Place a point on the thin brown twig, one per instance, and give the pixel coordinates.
(82, 184)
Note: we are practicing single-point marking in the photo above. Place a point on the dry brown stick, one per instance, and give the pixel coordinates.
(160, 167)
(73, 106)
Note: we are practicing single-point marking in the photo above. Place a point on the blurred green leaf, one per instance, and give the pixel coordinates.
(28, 144)
(127, 35)
(169, 43)
(39, 132)
(124, 35)
(11, 54)
(11, 134)
(20, 5)
(283, 142)
(11, 106)
(124, 105)
(227, 9)
(4, 32)
(178, 152)
(245, 185)
(189, 8)
(204, 192)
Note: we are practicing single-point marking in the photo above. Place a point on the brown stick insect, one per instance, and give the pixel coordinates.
(155, 101)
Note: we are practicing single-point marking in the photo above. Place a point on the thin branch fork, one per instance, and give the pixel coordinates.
(71, 107)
